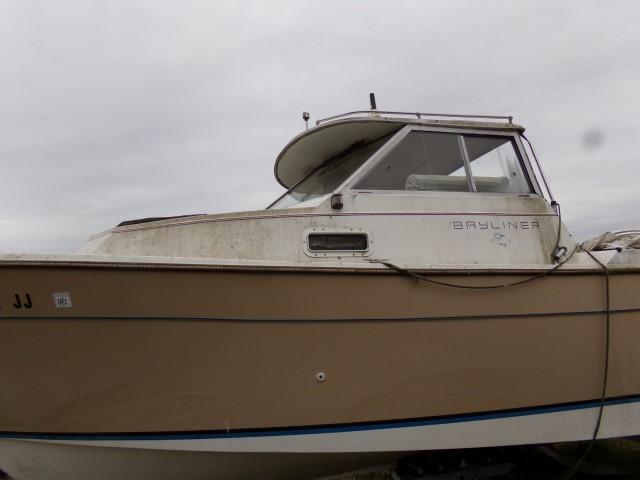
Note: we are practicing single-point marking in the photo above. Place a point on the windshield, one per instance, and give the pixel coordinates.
(330, 175)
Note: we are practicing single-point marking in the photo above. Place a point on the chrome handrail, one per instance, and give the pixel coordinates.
(419, 115)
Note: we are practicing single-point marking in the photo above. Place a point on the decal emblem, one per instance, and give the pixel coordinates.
(62, 299)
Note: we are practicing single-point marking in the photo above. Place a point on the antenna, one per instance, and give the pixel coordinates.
(305, 117)
(372, 100)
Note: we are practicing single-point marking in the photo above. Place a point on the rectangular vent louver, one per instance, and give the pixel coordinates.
(344, 242)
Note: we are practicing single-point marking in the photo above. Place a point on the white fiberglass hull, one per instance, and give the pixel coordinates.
(306, 454)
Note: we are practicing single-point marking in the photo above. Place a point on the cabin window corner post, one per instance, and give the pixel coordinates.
(467, 165)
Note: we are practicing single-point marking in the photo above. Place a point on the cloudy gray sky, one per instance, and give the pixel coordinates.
(113, 110)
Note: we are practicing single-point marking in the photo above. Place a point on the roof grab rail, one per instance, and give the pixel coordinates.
(419, 115)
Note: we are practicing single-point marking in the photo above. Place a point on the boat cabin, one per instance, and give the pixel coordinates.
(387, 155)
(428, 191)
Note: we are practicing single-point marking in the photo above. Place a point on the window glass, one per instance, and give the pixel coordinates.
(421, 161)
(330, 175)
(435, 161)
(495, 165)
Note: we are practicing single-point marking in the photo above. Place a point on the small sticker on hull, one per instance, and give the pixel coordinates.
(500, 239)
(62, 300)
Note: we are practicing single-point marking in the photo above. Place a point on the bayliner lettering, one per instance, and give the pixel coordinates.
(494, 225)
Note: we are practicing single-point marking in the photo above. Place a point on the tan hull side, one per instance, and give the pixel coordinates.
(181, 373)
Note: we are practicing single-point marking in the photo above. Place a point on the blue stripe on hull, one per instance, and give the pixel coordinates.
(313, 430)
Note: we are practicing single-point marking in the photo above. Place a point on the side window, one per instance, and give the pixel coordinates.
(422, 161)
(495, 165)
(449, 162)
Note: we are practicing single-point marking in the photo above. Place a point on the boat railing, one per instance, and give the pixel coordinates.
(418, 115)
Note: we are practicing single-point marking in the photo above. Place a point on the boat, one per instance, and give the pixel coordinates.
(414, 289)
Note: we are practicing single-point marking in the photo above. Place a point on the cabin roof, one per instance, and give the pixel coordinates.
(313, 147)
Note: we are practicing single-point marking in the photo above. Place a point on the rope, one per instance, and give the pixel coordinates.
(605, 376)
(422, 278)
(544, 273)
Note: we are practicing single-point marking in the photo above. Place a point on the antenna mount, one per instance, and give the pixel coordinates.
(372, 100)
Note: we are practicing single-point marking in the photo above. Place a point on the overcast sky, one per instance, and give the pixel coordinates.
(113, 110)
